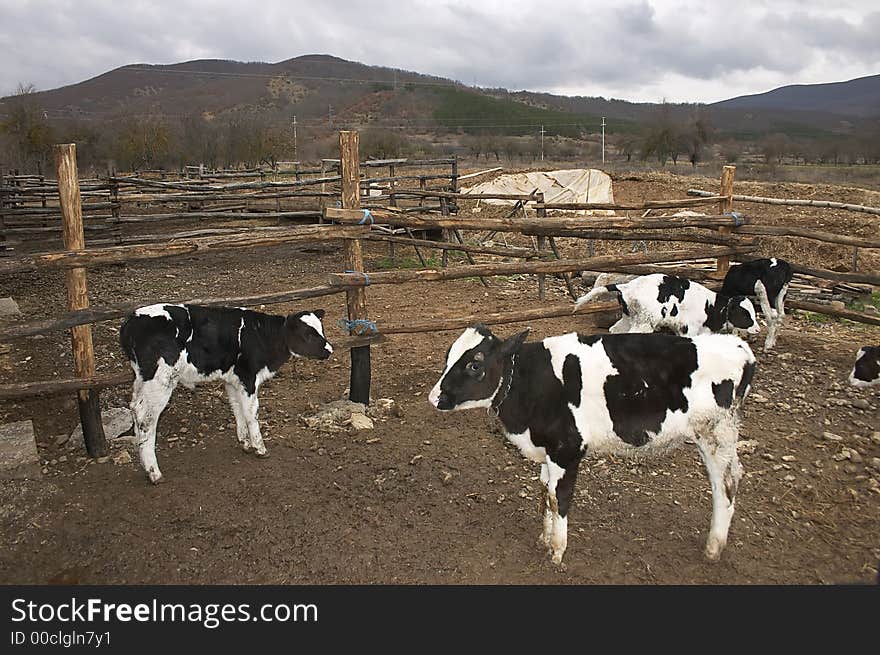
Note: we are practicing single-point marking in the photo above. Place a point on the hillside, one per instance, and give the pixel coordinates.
(858, 98)
(321, 88)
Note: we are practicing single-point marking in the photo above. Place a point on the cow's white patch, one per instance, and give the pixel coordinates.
(156, 311)
(315, 323)
(529, 450)
(470, 338)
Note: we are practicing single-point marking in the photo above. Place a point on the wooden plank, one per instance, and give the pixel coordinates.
(601, 263)
(460, 322)
(831, 311)
(444, 245)
(78, 298)
(808, 233)
(140, 252)
(97, 314)
(792, 202)
(547, 226)
(63, 386)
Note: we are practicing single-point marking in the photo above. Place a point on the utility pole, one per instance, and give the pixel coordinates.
(603, 139)
(542, 143)
(294, 136)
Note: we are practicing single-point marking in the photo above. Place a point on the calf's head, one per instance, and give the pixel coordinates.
(866, 371)
(475, 366)
(741, 315)
(305, 335)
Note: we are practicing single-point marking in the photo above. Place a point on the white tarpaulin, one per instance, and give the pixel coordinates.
(571, 185)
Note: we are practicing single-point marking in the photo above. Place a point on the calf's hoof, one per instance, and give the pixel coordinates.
(556, 558)
(262, 454)
(713, 551)
(156, 477)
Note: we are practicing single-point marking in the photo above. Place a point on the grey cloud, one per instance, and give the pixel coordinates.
(593, 46)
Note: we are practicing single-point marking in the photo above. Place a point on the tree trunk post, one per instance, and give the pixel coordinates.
(722, 264)
(78, 298)
(356, 300)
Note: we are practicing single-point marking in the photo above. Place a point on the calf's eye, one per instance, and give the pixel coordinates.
(474, 367)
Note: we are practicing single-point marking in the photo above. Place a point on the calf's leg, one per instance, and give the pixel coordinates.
(718, 450)
(241, 426)
(547, 531)
(560, 488)
(148, 400)
(250, 405)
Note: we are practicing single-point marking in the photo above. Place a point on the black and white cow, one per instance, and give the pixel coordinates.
(866, 370)
(658, 302)
(621, 394)
(768, 279)
(170, 344)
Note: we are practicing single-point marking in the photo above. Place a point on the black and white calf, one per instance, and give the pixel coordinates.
(658, 302)
(768, 279)
(621, 394)
(866, 370)
(169, 345)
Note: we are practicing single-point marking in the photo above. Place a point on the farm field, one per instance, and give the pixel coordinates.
(430, 497)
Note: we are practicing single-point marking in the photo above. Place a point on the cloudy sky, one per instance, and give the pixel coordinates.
(639, 50)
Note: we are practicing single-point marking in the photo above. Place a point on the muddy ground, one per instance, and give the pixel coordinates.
(426, 497)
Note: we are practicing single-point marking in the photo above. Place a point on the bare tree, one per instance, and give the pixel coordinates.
(27, 130)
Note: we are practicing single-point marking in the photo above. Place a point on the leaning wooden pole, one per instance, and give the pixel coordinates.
(726, 207)
(356, 299)
(78, 298)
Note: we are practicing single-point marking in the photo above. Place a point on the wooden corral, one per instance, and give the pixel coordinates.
(371, 206)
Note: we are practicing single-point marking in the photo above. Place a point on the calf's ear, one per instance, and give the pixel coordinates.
(319, 313)
(514, 343)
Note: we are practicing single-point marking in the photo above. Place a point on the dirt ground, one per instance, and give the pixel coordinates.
(430, 497)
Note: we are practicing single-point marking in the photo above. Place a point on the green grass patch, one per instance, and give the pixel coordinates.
(861, 303)
(386, 263)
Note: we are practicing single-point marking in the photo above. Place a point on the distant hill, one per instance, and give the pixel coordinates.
(858, 98)
(322, 90)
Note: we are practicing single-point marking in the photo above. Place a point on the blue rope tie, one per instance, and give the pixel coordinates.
(366, 277)
(367, 219)
(737, 218)
(359, 326)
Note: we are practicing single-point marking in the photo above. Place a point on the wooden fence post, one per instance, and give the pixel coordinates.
(114, 199)
(78, 298)
(722, 264)
(356, 300)
(541, 213)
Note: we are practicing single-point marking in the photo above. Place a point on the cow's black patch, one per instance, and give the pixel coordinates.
(620, 299)
(538, 402)
(715, 315)
(653, 370)
(745, 380)
(571, 380)
(741, 279)
(737, 316)
(672, 286)
(674, 311)
(867, 366)
(663, 311)
(723, 393)
(588, 339)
